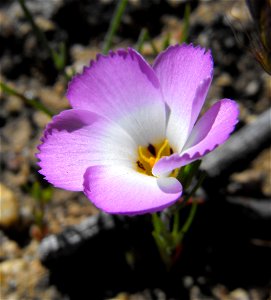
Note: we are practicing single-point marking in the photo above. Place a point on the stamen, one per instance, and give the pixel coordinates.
(146, 159)
(163, 147)
(148, 156)
(152, 149)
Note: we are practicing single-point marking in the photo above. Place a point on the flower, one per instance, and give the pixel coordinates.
(132, 126)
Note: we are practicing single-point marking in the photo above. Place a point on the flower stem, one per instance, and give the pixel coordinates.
(187, 223)
(190, 218)
(168, 239)
(114, 25)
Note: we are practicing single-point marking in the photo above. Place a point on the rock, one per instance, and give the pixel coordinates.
(82, 56)
(121, 296)
(14, 104)
(255, 179)
(9, 270)
(21, 275)
(53, 99)
(9, 207)
(263, 164)
(252, 88)
(253, 208)
(248, 182)
(188, 281)
(18, 132)
(31, 251)
(9, 250)
(74, 209)
(204, 15)
(44, 8)
(44, 24)
(16, 166)
(72, 237)
(41, 119)
(224, 80)
(239, 294)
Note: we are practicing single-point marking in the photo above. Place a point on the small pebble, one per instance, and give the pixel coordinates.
(9, 213)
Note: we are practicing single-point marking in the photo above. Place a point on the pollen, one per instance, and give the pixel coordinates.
(148, 156)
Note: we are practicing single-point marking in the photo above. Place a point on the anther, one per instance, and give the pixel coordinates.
(146, 159)
(152, 149)
(140, 165)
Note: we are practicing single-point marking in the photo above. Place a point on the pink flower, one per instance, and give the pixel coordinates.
(132, 126)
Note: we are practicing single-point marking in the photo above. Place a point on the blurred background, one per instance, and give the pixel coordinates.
(55, 244)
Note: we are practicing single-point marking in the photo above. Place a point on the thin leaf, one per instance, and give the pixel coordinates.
(185, 29)
(166, 41)
(114, 25)
(141, 39)
(32, 102)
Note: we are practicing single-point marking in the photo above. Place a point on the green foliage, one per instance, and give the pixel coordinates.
(187, 12)
(141, 39)
(168, 237)
(59, 56)
(114, 25)
(144, 36)
(187, 173)
(166, 41)
(42, 197)
(32, 102)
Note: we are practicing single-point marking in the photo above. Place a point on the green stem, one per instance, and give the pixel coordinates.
(187, 12)
(166, 41)
(39, 34)
(187, 173)
(192, 192)
(145, 36)
(188, 222)
(154, 49)
(176, 221)
(176, 216)
(164, 251)
(33, 102)
(141, 39)
(114, 25)
(176, 233)
(169, 240)
(58, 57)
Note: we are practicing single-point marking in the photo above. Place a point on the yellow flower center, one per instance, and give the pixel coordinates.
(148, 156)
